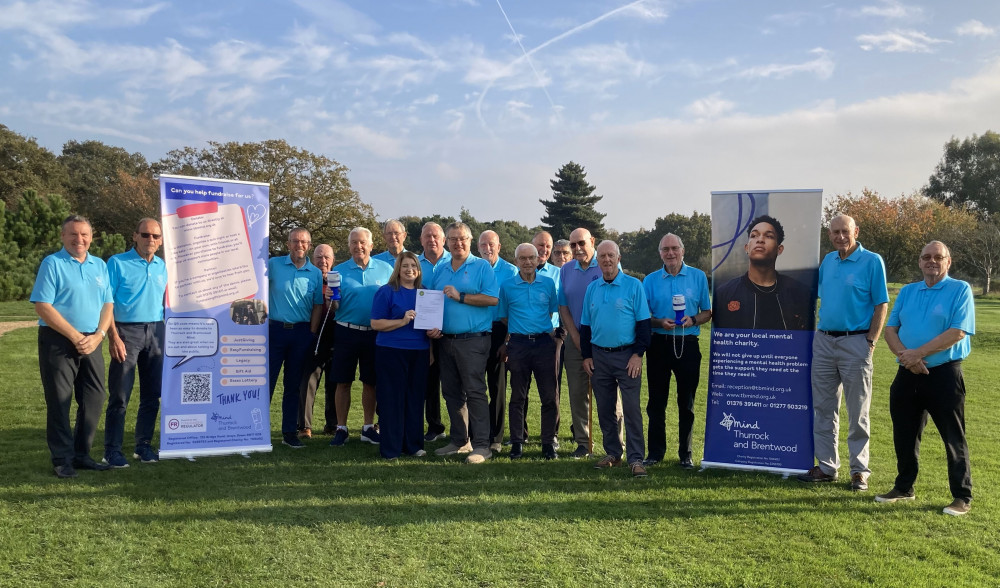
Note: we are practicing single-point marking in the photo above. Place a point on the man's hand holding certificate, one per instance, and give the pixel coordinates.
(430, 310)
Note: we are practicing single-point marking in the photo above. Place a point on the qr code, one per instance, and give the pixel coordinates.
(196, 388)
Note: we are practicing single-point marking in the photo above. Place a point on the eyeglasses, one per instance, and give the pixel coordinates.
(150, 235)
(458, 239)
(937, 258)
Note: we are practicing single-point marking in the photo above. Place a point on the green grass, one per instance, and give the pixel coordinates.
(326, 516)
(17, 310)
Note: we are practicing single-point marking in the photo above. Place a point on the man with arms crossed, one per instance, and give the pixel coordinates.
(496, 369)
(432, 242)
(614, 334)
(854, 301)
(929, 331)
(360, 277)
(72, 296)
(295, 291)
(138, 281)
(470, 288)
(674, 347)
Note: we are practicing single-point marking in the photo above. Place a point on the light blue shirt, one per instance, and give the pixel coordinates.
(612, 310)
(427, 268)
(528, 306)
(660, 288)
(574, 281)
(503, 270)
(475, 276)
(293, 291)
(357, 289)
(137, 286)
(850, 289)
(552, 272)
(77, 290)
(922, 313)
(386, 257)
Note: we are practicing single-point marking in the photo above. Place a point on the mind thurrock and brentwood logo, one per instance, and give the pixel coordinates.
(728, 421)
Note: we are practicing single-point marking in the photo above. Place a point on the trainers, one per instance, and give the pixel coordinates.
(329, 430)
(555, 443)
(957, 508)
(549, 451)
(306, 433)
(686, 463)
(419, 453)
(497, 447)
(292, 440)
(651, 461)
(516, 450)
(815, 474)
(146, 454)
(65, 471)
(452, 449)
(638, 471)
(479, 456)
(371, 435)
(608, 462)
(339, 438)
(87, 463)
(435, 436)
(894, 496)
(581, 452)
(115, 460)
(859, 482)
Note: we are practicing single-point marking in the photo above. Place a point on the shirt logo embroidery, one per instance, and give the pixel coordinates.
(734, 305)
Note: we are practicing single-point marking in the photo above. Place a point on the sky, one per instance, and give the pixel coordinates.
(435, 105)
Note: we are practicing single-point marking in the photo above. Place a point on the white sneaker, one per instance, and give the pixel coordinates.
(419, 453)
(479, 456)
(452, 449)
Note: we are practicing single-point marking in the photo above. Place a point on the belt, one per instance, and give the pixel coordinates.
(613, 349)
(288, 325)
(532, 337)
(843, 333)
(695, 337)
(466, 335)
(353, 326)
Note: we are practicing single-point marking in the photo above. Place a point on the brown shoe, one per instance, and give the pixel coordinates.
(859, 482)
(638, 471)
(329, 430)
(306, 433)
(608, 462)
(816, 475)
(957, 508)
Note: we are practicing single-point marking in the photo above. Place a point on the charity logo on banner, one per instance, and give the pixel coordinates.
(215, 398)
(765, 256)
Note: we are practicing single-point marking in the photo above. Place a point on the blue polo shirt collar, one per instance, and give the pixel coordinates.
(680, 272)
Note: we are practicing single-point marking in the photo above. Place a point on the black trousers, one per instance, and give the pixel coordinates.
(940, 395)
(432, 396)
(67, 375)
(661, 361)
(526, 357)
(496, 383)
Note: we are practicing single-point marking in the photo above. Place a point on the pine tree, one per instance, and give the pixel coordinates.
(572, 204)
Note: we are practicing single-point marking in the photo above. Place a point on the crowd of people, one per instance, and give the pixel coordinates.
(565, 307)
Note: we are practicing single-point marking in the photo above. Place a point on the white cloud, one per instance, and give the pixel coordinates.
(711, 106)
(229, 99)
(893, 9)
(899, 41)
(822, 67)
(370, 140)
(342, 19)
(974, 28)
(427, 100)
(648, 10)
(241, 59)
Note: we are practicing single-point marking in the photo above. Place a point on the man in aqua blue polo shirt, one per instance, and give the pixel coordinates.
(470, 289)
(614, 335)
(360, 277)
(854, 301)
(138, 282)
(527, 302)
(674, 346)
(394, 234)
(543, 245)
(295, 292)
(434, 254)
(575, 276)
(72, 296)
(929, 331)
(496, 369)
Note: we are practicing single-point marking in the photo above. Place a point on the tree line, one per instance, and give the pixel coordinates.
(960, 205)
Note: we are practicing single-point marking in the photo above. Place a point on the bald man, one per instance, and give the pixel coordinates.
(496, 368)
(318, 359)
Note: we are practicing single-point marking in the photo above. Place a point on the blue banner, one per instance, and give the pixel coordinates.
(215, 398)
(763, 311)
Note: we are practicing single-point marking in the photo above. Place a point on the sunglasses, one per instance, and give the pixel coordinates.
(150, 235)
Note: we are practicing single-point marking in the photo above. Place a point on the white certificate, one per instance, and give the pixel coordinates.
(430, 310)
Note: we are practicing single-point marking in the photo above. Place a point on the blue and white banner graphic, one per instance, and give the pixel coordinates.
(215, 397)
(765, 255)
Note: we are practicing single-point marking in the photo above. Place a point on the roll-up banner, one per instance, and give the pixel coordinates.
(215, 398)
(765, 257)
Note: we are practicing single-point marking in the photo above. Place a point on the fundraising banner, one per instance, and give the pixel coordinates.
(765, 256)
(215, 398)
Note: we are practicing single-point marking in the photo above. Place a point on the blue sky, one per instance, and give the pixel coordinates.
(439, 104)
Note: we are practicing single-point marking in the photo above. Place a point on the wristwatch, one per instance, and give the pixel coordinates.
(461, 297)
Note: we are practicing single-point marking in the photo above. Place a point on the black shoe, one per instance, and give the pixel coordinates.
(65, 471)
(581, 452)
(549, 452)
(651, 461)
(516, 450)
(292, 440)
(687, 464)
(433, 436)
(87, 463)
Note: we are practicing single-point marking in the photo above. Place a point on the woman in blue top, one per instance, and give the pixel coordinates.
(402, 355)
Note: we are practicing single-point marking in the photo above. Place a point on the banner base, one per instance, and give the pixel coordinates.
(783, 472)
(190, 454)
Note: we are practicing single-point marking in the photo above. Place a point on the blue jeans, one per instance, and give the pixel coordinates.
(143, 351)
